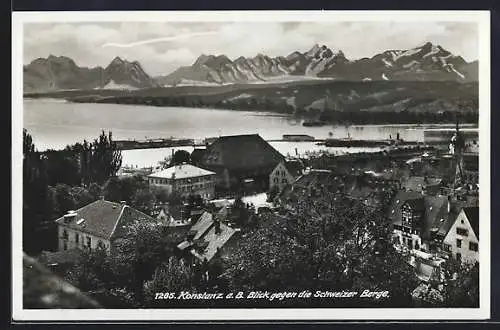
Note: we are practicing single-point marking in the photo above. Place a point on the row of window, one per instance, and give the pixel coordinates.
(87, 243)
(180, 181)
(195, 187)
(472, 246)
(280, 173)
(409, 243)
(277, 180)
(407, 229)
(159, 181)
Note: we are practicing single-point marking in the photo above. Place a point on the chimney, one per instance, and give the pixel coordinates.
(68, 217)
(217, 227)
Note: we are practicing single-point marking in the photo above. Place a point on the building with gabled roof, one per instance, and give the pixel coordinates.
(437, 225)
(207, 238)
(285, 173)
(213, 242)
(97, 224)
(241, 157)
(185, 179)
(418, 220)
(462, 238)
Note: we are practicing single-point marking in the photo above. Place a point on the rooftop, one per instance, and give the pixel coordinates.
(202, 225)
(241, 152)
(435, 211)
(294, 167)
(102, 218)
(215, 242)
(183, 171)
(472, 214)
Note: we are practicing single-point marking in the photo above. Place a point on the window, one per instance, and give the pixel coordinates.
(447, 247)
(65, 245)
(473, 246)
(77, 238)
(459, 256)
(462, 231)
(89, 242)
(459, 243)
(65, 234)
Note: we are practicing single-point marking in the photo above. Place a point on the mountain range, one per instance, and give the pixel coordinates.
(427, 62)
(62, 73)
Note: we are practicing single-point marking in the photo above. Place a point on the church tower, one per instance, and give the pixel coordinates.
(457, 147)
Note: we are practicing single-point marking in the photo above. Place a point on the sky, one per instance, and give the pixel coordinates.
(163, 47)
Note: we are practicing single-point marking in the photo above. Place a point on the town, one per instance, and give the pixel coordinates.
(236, 214)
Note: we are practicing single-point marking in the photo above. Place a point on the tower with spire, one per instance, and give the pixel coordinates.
(457, 147)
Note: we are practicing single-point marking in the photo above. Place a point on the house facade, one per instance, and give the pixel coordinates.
(185, 179)
(462, 240)
(95, 225)
(285, 173)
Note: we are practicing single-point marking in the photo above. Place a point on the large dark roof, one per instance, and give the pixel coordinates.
(101, 218)
(472, 214)
(241, 152)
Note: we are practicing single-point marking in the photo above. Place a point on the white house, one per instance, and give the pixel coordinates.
(186, 180)
(285, 173)
(462, 240)
(97, 224)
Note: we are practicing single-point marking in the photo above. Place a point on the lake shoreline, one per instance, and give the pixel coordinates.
(54, 125)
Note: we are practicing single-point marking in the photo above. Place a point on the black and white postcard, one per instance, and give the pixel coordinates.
(315, 165)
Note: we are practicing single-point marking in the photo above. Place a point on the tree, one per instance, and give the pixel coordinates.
(37, 205)
(143, 247)
(105, 159)
(62, 167)
(165, 163)
(64, 200)
(160, 194)
(118, 189)
(460, 284)
(82, 196)
(174, 275)
(87, 273)
(329, 241)
(180, 157)
(144, 200)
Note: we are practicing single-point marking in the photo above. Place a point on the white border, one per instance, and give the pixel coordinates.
(482, 18)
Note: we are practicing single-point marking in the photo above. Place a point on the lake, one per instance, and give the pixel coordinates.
(56, 123)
